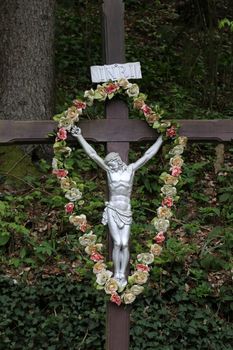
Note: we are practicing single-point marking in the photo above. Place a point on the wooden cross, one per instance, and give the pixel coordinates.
(117, 131)
(118, 317)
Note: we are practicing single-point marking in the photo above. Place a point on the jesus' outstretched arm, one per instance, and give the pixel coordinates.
(148, 154)
(89, 150)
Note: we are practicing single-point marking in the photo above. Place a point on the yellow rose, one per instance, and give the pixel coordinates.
(72, 113)
(128, 297)
(138, 103)
(140, 277)
(170, 180)
(111, 286)
(182, 140)
(176, 161)
(92, 248)
(164, 212)
(98, 267)
(152, 118)
(156, 249)
(66, 183)
(77, 220)
(124, 83)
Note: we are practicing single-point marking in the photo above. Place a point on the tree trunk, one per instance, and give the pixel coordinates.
(26, 59)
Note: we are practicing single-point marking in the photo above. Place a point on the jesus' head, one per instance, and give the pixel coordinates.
(114, 161)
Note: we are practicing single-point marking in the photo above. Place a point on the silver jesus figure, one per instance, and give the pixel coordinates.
(117, 213)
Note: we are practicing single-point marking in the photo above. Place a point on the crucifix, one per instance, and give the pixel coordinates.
(118, 211)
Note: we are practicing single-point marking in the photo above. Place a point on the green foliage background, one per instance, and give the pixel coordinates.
(47, 298)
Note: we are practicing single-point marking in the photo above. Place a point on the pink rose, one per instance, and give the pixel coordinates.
(69, 207)
(111, 88)
(142, 267)
(79, 104)
(176, 170)
(159, 238)
(168, 202)
(95, 256)
(83, 227)
(171, 132)
(146, 109)
(60, 173)
(62, 134)
(115, 298)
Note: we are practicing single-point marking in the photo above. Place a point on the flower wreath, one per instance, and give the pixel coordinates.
(161, 222)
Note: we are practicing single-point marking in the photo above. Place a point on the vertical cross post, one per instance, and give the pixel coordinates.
(117, 327)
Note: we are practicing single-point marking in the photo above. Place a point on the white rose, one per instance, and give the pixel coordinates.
(103, 277)
(66, 123)
(161, 224)
(136, 289)
(168, 190)
(66, 151)
(177, 150)
(111, 286)
(100, 93)
(89, 94)
(145, 258)
(73, 194)
(128, 297)
(133, 90)
(59, 149)
(87, 239)
(166, 124)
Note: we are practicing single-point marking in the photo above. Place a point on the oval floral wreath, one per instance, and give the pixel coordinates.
(161, 221)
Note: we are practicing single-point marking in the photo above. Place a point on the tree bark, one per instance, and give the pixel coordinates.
(26, 59)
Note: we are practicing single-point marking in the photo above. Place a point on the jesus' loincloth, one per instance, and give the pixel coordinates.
(121, 217)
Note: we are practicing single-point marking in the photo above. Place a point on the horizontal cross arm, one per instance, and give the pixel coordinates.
(113, 130)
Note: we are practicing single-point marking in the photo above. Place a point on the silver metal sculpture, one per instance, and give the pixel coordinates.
(117, 213)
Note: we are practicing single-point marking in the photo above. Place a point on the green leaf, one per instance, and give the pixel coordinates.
(4, 238)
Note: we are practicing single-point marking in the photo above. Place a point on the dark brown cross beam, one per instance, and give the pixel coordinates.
(118, 317)
(36, 132)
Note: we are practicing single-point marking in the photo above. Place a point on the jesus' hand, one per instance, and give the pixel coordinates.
(75, 131)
